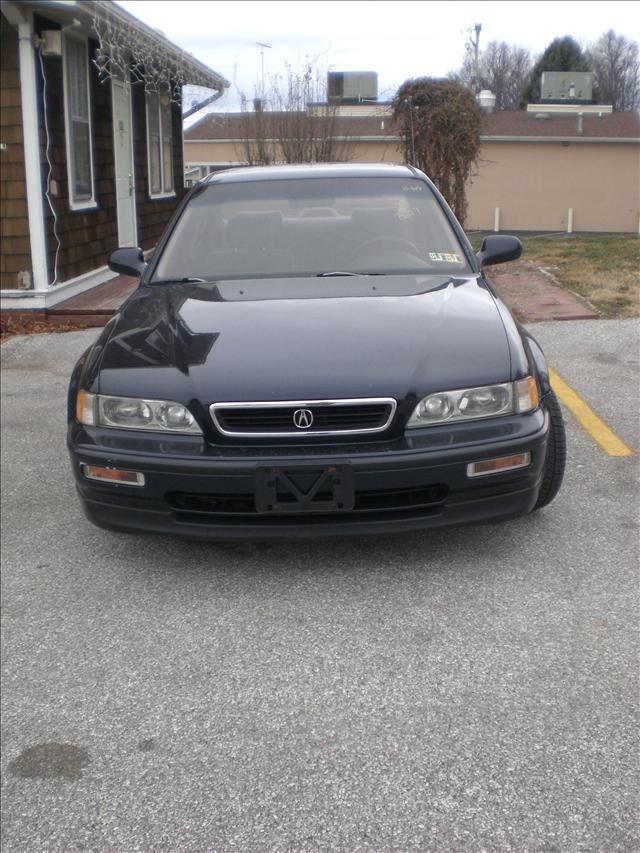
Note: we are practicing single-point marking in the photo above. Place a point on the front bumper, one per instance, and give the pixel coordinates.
(203, 492)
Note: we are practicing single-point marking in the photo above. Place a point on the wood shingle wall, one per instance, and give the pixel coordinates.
(86, 237)
(15, 251)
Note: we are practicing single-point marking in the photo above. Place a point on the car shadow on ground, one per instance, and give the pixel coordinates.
(469, 549)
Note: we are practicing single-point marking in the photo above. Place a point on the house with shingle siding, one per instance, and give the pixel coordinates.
(91, 143)
(548, 169)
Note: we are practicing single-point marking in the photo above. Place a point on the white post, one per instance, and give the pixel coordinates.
(496, 219)
(35, 206)
(570, 221)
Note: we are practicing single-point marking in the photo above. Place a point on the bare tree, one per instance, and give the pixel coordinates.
(614, 61)
(293, 123)
(504, 68)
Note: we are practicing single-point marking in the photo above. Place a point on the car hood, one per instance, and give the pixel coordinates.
(303, 339)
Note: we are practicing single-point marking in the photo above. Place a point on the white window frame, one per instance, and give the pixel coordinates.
(162, 193)
(89, 203)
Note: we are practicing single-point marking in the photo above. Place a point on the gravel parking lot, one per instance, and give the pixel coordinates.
(470, 689)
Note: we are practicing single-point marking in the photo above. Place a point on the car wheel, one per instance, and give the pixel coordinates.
(556, 453)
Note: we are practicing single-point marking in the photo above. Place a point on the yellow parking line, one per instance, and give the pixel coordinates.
(587, 418)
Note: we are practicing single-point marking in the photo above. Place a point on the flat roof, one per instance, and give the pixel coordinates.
(218, 126)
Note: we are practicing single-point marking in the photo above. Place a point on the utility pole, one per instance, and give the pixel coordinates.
(409, 102)
(475, 44)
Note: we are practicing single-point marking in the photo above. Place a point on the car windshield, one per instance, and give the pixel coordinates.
(312, 227)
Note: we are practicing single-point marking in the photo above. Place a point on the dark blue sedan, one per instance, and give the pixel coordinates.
(313, 350)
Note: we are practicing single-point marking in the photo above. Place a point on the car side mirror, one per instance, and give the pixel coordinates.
(499, 248)
(127, 260)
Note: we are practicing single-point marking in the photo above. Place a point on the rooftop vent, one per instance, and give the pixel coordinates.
(486, 101)
(542, 116)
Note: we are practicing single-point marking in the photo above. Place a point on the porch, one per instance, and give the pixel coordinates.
(92, 308)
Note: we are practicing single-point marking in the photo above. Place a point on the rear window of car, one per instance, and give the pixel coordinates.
(311, 226)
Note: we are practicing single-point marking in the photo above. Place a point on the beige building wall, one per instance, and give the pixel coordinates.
(228, 153)
(376, 152)
(532, 183)
(211, 153)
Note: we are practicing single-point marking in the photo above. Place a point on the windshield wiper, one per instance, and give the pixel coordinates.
(341, 272)
(188, 279)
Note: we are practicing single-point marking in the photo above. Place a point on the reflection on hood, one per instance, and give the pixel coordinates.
(153, 334)
(169, 325)
(305, 338)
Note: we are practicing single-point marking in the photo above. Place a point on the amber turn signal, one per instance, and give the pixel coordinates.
(495, 466)
(85, 408)
(113, 475)
(526, 394)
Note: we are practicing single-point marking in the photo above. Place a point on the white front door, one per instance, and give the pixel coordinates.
(123, 155)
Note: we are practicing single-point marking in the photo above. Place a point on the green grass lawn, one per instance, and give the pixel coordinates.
(605, 269)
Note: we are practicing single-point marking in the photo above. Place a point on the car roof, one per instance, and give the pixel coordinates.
(311, 170)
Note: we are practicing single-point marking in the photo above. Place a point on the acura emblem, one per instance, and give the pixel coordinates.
(303, 418)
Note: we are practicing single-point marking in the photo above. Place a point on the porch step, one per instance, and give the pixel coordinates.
(97, 304)
(90, 309)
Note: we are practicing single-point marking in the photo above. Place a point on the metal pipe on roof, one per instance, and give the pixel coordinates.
(202, 104)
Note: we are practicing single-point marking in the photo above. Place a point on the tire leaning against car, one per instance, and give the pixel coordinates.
(556, 453)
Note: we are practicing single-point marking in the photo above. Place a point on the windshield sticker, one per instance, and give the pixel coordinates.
(405, 211)
(445, 257)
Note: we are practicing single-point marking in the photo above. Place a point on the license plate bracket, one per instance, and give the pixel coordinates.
(304, 489)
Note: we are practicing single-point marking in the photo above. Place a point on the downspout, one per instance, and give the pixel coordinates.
(203, 104)
(32, 166)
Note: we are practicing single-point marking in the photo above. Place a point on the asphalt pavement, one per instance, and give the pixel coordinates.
(462, 690)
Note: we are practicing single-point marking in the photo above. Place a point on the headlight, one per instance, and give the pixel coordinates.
(132, 413)
(468, 404)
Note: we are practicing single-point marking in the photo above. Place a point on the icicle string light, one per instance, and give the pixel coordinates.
(130, 55)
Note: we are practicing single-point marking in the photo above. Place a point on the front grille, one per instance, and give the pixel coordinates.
(328, 417)
(192, 508)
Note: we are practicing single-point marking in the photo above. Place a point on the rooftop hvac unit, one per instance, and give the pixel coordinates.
(558, 87)
(352, 87)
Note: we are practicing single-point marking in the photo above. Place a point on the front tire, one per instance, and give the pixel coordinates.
(556, 453)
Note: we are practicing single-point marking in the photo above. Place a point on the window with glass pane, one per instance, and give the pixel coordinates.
(160, 145)
(78, 121)
(167, 152)
(153, 124)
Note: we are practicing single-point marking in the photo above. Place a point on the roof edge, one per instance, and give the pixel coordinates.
(88, 10)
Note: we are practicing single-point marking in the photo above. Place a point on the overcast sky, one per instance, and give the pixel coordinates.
(397, 39)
